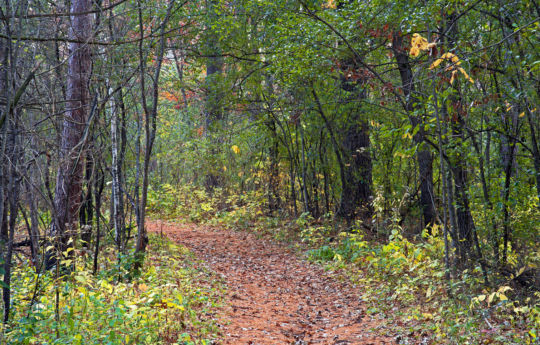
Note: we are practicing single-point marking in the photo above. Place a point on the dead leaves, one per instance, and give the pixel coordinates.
(276, 298)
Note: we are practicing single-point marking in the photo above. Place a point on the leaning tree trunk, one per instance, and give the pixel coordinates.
(67, 199)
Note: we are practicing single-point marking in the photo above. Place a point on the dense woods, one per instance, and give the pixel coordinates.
(379, 134)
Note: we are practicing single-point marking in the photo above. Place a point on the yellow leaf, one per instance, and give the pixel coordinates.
(503, 289)
(454, 73)
(466, 75)
(521, 115)
(522, 269)
(481, 298)
(490, 298)
(143, 287)
(235, 149)
(427, 316)
(224, 168)
(436, 63)
(453, 58)
(419, 43)
(414, 51)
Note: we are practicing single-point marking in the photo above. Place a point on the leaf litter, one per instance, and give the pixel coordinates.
(274, 297)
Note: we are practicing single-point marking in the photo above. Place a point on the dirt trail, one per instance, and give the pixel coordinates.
(273, 297)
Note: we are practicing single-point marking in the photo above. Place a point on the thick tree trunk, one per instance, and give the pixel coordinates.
(356, 185)
(67, 198)
(355, 162)
(356, 178)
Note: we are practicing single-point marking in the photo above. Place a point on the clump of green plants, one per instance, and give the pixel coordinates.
(162, 305)
(196, 205)
(417, 299)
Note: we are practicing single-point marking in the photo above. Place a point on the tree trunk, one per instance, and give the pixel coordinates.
(423, 155)
(305, 196)
(99, 183)
(33, 230)
(150, 124)
(355, 146)
(13, 153)
(212, 108)
(115, 172)
(465, 222)
(67, 198)
(274, 200)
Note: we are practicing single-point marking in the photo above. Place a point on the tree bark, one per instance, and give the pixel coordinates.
(212, 108)
(465, 222)
(115, 172)
(150, 124)
(274, 199)
(68, 190)
(423, 155)
(356, 179)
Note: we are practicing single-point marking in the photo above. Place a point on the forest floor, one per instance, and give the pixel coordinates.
(272, 295)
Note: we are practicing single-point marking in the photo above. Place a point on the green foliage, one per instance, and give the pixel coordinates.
(414, 279)
(196, 205)
(162, 305)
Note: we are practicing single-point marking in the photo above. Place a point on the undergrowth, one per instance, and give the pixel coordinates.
(404, 282)
(165, 304)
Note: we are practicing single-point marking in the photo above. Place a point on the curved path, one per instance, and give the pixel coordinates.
(272, 296)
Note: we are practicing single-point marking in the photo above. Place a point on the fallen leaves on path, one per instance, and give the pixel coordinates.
(272, 296)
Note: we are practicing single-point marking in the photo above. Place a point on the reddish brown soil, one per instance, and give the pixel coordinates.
(272, 296)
